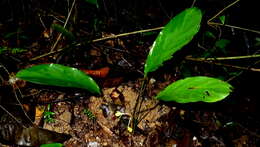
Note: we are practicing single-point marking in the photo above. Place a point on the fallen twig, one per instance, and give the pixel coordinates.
(64, 26)
(209, 22)
(224, 58)
(221, 64)
(97, 40)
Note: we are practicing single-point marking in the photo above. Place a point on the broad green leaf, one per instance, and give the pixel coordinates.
(52, 145)
(195, 89)
(58, 75)
(63, 31)
(177, 33)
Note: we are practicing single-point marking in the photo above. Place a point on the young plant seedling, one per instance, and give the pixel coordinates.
(48, 115)
(90, 115)
(176, 34)
(120, 114)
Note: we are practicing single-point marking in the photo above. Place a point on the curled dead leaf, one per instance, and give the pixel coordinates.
(100, 73)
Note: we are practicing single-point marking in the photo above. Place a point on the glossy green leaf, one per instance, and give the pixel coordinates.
(52, 145)
(63, 31)
(177, 33)
(58, 75)
(195, 89)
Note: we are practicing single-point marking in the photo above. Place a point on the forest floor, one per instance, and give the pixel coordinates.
(29, 37)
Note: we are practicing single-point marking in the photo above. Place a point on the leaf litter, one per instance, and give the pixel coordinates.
(106, 129)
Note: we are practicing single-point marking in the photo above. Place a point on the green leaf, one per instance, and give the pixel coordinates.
(58, 75)
(177, 33)
(222, 43)
(52, 145)
(17, 50)
(149, 33)
(3, 49)
(63, 31)
(257, 39)
(10, 35)
(93, 2)
(11, 50)
(195, 89)
(222, 19)
(210, 34)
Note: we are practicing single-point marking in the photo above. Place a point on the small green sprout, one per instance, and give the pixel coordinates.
(48, 115)
(89, 114)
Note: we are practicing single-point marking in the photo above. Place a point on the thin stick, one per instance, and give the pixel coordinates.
(126, 34)
(224, 58)
(247, 130)
(148, 111)
(221, 64)
(138, 103)
(221, 11)
(11, 115)
(193, 3)
(235, 27)
(209, 22)
(16, 97)
(241, 72)
(97, 40)
(46, 54)
(142, 97)
(64, 26)
(19, 102)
